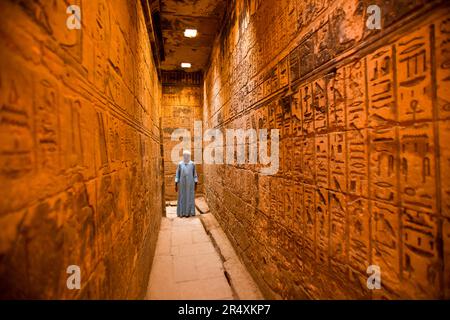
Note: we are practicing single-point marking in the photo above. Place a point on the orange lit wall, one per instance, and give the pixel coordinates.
(79, 150)
(364, 124)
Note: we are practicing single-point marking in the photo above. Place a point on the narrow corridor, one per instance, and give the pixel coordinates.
(318, 130)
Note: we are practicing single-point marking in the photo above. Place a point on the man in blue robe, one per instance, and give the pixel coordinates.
(186, 184)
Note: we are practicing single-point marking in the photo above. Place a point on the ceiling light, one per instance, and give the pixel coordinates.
(190, 33)
(185, 65)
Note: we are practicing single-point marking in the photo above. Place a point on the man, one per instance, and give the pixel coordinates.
(187, 179)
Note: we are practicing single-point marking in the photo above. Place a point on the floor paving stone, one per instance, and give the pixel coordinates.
(186, 264)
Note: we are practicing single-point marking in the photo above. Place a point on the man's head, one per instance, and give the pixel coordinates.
(186, 156)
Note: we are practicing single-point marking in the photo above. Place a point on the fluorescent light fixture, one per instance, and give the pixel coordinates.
(190, 33)
(185, 65)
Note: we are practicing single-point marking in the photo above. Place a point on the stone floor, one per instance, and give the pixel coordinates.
(186, 264)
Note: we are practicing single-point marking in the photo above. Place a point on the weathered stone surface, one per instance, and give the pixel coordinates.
(201, 205)
(239, 278)
(186, 265)
(364, 160)
(79, 150)
(364, 167)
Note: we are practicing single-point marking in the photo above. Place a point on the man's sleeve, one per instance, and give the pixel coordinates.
(177, 175)
(195, 174)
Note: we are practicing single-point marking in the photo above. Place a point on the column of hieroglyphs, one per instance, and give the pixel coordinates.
(80, 160)
(364, 119)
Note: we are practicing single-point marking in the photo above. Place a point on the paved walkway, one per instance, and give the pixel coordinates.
(186, 265)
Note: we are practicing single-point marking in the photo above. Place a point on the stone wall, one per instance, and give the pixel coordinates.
(182, 105)
(79, 150)
(364, 124)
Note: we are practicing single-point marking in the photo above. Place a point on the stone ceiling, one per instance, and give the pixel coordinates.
(178, 15)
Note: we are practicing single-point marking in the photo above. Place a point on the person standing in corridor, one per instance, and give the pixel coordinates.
(186, 184)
